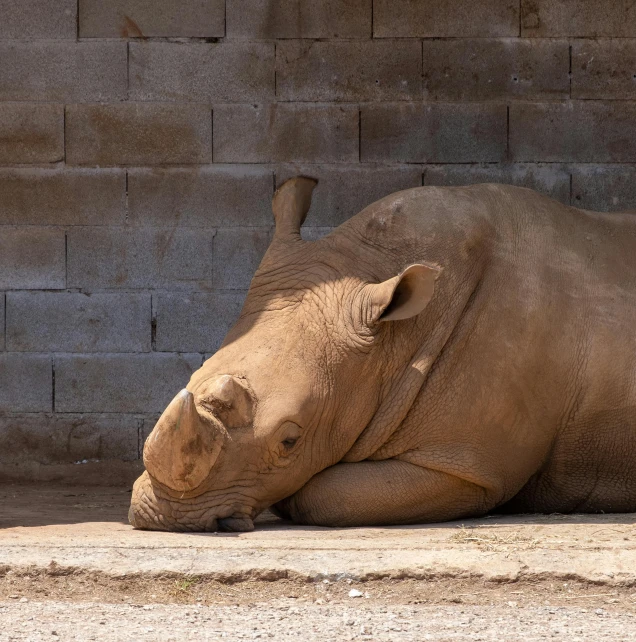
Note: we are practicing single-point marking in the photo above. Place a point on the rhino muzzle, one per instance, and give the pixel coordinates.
(183, 447)
(152, 508)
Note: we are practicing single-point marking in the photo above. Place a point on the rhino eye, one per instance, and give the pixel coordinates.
(290, 442)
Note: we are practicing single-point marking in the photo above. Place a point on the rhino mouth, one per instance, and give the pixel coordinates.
(153, 509)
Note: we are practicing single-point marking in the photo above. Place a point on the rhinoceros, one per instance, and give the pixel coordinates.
(445, 353)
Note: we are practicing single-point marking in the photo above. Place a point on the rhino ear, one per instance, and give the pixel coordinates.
(404, 296)
(291, 203)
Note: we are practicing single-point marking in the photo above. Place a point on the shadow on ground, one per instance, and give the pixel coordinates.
(48, 504)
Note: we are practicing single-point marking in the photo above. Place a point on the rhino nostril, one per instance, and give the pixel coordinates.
(235, 524)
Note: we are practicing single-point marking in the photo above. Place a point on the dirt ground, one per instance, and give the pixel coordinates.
(72, 569)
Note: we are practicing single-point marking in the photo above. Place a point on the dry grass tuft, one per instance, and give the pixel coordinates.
(183, 586)
(490, 541)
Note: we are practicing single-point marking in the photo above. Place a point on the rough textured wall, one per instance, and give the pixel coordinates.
(141, 140)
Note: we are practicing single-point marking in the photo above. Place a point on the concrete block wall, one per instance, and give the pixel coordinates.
(141, 142)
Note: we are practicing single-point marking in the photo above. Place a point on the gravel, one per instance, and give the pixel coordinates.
(288, 620)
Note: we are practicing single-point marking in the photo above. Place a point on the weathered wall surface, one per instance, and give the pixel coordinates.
(141, 141)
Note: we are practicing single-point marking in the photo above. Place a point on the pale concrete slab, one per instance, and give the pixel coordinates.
(86, 528)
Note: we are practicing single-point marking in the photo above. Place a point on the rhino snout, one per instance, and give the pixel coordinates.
(151, 509)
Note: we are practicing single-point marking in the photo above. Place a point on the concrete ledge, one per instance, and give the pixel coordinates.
(75, 529)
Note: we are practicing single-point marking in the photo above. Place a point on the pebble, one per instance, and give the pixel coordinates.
(355, 593)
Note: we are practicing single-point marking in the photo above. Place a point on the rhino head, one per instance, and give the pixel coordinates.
(295, 382)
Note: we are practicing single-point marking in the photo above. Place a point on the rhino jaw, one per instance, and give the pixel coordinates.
(183, 446)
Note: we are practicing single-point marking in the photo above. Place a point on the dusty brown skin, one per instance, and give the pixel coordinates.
(445, 353)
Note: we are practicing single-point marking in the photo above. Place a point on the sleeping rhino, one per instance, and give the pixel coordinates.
(445, 353)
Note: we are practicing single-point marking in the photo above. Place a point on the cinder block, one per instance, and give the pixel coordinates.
(496, 69)
(551, 180)
(604, 189)
(604, 69)
(73, 322)
(584, 132)
(209, 196)
(437, 133)
(285, 132)
(62, 196)
(578, 18)
(29, 19)
(32, 258)
(348, 71)
(26, 382)
(151, 18)
(121, 383)
(195, 322)
(2, 317)
(271, 19)
(202, 72)
(63, 71)
(67, 439)
(343, 191)
(139, 258)
(445, 18)
(31, 133)
(237, 254)
(138, 134)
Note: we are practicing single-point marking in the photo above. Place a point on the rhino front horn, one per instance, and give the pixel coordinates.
(182, 448)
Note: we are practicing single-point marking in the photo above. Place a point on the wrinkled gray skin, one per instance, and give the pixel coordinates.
(499, 372)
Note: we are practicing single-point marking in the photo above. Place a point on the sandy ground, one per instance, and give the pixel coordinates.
(72, 569)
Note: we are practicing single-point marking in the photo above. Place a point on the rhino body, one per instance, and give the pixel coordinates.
(445, 353)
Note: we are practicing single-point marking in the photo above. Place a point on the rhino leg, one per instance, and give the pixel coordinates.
(375, 493)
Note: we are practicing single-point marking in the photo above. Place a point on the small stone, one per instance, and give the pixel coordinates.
(24, 599)
(355, 593)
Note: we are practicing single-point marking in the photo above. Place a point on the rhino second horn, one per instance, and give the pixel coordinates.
(182, 448)
(233, 401)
